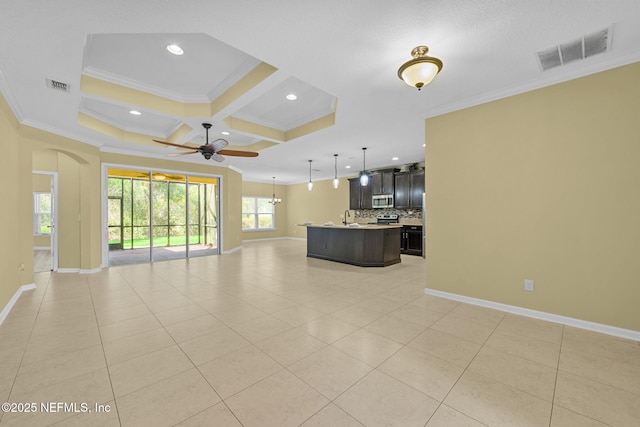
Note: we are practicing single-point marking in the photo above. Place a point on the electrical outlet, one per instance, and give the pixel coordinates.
(528, 285)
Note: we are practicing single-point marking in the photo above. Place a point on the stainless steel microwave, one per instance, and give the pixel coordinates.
(382, 201)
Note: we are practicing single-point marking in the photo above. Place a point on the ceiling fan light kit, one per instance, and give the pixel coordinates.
(213, 150)
(420, 70)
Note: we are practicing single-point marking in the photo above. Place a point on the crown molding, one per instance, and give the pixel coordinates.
(559, 77)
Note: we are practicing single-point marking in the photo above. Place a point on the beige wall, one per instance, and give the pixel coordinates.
(16, 216)
(258, 189)
(324, 203)
(541, 186)
(79, 212)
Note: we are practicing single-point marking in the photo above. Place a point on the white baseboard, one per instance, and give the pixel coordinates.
(549, 317)
(68, 270)
(274, 238)
(230, 251)
(7, 308)
(260, 240)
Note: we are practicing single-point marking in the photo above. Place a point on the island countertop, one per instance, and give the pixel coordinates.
(351, 227)
(368, 245)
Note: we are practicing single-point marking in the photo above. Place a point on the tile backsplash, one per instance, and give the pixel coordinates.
(405, 216)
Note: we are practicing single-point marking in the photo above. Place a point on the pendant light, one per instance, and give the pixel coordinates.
(273, 200)
(336, 181)
(420, 70)
(310, 184)
(364, 177)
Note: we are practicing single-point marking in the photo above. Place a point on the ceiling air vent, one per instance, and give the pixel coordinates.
(575, 50)
(58, 85)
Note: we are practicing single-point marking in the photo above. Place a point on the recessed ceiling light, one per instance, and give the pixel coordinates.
(175, 49)
(348, 167)
(424, 145)
(394, 158)
(225, 132)
(135, 113)
(292, 97)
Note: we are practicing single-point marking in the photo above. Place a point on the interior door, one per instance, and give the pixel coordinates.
(44, 222)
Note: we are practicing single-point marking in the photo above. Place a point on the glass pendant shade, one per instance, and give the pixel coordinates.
(420, 70)
(310, 184)
(336, 181)
(364, 176)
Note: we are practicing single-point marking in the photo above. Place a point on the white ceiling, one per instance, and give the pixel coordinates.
(324, 50)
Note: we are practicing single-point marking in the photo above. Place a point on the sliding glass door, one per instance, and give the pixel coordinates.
(154, 216)
(203, 216)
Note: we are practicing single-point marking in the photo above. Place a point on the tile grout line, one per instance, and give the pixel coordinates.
(104, 355)
(24, 352)
(466, 368)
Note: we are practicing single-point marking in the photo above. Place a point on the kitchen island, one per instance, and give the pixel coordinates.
(363, 245)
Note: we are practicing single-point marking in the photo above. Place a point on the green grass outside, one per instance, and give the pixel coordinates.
(159, 241)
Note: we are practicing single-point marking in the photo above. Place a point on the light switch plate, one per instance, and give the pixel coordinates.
(528, 285)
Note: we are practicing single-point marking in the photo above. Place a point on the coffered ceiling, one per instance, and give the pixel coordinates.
(242, 58)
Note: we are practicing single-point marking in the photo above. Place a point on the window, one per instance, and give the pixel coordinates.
(41, 214)
(257, 214)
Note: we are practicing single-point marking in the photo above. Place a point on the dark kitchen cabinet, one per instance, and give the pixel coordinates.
(359, 196)
(411, 240)
(383, 182)
(409, 187)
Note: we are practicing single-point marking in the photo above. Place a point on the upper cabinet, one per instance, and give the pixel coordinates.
(383, 182)
(406, 188)
(409, 187)
(359, 197)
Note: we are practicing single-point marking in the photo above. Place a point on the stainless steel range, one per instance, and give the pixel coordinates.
(387, 219)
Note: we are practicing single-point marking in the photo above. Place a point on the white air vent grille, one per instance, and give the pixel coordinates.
(575, 50)
(58, 85)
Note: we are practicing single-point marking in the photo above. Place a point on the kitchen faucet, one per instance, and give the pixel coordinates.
(346, 214)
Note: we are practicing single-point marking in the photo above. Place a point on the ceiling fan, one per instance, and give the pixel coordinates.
(213, 150)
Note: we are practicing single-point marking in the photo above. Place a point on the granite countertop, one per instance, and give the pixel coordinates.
(352, 227)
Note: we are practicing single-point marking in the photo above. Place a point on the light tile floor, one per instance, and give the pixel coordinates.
(267, 337)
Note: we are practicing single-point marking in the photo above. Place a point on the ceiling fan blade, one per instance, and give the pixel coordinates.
(217, 157)
(181, 154)
(184, 147)
(218, 144)
(238, 153)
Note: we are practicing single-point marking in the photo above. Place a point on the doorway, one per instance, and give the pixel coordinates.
(159, 215)
(45, 242)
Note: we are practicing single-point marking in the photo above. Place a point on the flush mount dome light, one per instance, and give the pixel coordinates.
(175, 49)
(420, 70)
(292, 97)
